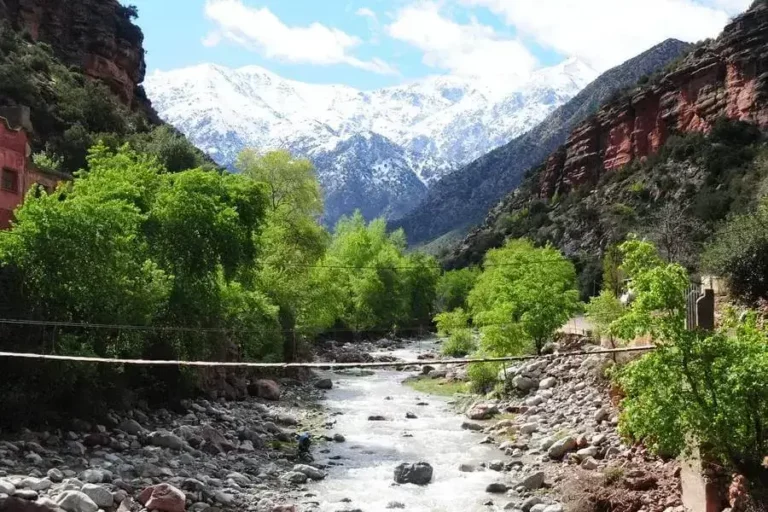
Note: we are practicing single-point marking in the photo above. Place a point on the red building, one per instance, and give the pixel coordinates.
(17, 175)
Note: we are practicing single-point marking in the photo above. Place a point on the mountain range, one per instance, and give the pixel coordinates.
(378, 151)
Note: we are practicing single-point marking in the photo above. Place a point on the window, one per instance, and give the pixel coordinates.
(9, 181)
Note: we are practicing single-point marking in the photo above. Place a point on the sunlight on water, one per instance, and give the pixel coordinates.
(374, 448)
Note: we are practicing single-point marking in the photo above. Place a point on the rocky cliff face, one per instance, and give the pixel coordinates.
(725, 78)
(97, 36)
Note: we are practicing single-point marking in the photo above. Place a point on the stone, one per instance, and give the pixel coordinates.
(561, 447)
(131, 427)
(534, 401)
(482, 411)
(547, 383)
(496, 465)
(529, 503)
(224, 498)
(36, 484)
(466, 468)
(497, 488)
(311, 471)
(214, 442)
(468, 425)
(556, 507)
(524, 383)
(55, 475)
(165, 439)
(324, 384)
(339, 438)
(93, 476)
(410, 416)
(529, 428)
(533, 481)
(100, 496)
(7, 487)
(26, 494)
(163, 497)
(376, 417)
(294, 477)
(587, 452)
(76, 501)
(589, 464)
(601, 414)
(419, 473)
(265, 388)
(395, 504)
(642, 483)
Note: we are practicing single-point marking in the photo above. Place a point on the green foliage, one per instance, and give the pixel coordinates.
(459, 343)
(450, 321)
(602, 311)
(739, 253)
(696, 386)
(454, 286)
(482, 376)
(522, 297)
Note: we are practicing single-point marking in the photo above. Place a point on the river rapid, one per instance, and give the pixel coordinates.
(360, 473)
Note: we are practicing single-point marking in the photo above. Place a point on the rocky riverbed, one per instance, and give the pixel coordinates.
(552, 446)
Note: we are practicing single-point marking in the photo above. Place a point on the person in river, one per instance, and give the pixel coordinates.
(304, 442)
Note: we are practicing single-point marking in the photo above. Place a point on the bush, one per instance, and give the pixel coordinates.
(483, 376)
(451, 321)
(459, 344)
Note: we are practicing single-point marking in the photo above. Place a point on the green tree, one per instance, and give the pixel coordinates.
(602, 311)
(523, 296)
(711, 389)
(454, 286)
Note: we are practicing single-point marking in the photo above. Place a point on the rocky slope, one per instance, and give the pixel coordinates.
(429, 127)
(462, 198)
(722, 79)
(98, 37)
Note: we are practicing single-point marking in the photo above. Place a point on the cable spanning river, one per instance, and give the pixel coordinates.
(363, 479)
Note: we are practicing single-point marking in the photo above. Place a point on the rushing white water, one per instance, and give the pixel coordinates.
(372, 449)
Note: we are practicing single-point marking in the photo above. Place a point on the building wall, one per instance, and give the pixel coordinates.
(13, 157)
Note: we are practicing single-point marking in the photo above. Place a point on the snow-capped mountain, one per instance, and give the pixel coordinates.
(373, 150)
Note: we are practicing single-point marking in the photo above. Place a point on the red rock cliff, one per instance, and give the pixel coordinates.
(96, 35)
(727, 77)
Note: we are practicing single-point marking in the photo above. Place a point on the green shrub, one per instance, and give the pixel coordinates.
(483, 376)
(459, 344)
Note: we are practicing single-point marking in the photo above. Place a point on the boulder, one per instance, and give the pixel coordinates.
(163, 497)
(214, 442)
(561, 447)
(324, 384)
(131, 427)
(295, 477)
(547, 383)
(165, 439)
(475, 427)
(100, 496)
(533, 481)
(377, 417)
(497, 488)
(482, 411)
(76, 501)
(524, 383)
(410, 416)
(265, 388)
(7, 487)
(419, 473)
(311, 471)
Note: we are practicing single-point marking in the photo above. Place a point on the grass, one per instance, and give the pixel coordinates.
(612, 475)
(505, 416)
(439, 387)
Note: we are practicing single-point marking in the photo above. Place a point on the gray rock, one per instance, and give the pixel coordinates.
(475, 427)
(533, 481)
(557, 507)
(55, 475)
(36, 484)
(589, 464)
(376, 417)
(410, 416)
(529, 428)
(26, 494)
(339, 438)
(76, 501)
(548, 383)
(93, 476)
(131, 427)
(419, 473)
(590, 451)
(294, 477)
(482, 411)
(530, 503)
(166, 440)
(496, 465)
(7, 487)
(311, 471)
(466, 468)
(524, 383)
(324, 384)
(395, 504)
(497, 488)
(224, 498)
(601, 414)
(561, 447)
(100, 496)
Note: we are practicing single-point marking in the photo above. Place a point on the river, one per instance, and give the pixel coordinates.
(366, 461)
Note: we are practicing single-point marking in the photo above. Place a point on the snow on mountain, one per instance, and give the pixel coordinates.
(374, 150)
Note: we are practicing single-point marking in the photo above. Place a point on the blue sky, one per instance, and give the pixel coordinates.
(374, 43)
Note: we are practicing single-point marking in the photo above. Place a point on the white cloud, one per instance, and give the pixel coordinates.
(366, 13)
(261, 30)
(469, 49)
(605, 33)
